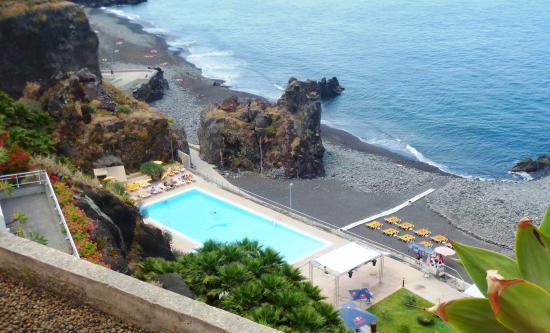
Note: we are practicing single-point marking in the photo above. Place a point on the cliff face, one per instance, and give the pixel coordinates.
(105, 3)
(42, 38)
(97, 122)
(120, 230)
(283, 138)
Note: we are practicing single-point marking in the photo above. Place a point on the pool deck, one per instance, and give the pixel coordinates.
(367, 276)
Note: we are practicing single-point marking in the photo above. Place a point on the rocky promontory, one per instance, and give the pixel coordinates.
(152, 90)
(96, 121)
(281, 139)
(329, 88)
(41, 38)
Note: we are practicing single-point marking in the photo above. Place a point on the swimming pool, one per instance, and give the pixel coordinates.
(200, 215)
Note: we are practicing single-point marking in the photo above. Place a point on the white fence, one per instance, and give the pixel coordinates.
(18, 180)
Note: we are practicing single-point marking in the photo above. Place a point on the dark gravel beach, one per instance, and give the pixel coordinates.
(361, 179)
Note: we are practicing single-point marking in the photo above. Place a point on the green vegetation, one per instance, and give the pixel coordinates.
(402, 309)
(119, 190)
(37, 237)
(27, 125)
(152, 169)
(517, 291)
(6, 187)
(253, 282)
(122, 109)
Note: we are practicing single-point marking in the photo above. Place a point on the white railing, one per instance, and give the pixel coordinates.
(453, 279)
(17, 180)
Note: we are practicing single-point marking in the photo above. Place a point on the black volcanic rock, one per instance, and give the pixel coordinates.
(283, 139)
(329, 89)
(43, 40)
(106, 3)
(531, 166)
(152, 90)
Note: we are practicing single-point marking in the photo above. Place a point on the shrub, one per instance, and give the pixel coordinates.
(409, 300)
(122, 109)
(27, 124)
(425, 320)
(38, 237)
(152, 169)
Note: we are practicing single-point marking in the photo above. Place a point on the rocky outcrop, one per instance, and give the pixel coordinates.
(97, 122)
(40, 38)
(118, 227)
(329, 88)
(152, 90)
(106, 3)
(281, 139)
(542, 164)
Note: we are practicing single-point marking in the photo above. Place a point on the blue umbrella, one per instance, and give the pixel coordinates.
(355, 318)
(362, 294)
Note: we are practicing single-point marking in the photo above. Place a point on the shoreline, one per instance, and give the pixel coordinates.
(204, 88)
(466, 209)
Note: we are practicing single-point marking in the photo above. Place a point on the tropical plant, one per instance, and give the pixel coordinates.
(27, 124)
(119, 190)
(253, 282)
(152, 169)
(37, 237)
(517, 291)
(19, 216)
(6, 187)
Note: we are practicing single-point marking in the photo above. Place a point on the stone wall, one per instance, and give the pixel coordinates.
(122, 296)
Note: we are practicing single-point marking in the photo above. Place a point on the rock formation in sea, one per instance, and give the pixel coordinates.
(529, 165)
(106, 3)
(153, 89)
(41, 38)
(281, 139)
(329, 88)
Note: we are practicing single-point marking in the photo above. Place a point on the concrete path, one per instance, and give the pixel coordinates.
(207, 171)
(389, 211)
(127, 79)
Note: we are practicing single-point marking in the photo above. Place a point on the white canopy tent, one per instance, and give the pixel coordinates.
(474, 291)
(345, 259)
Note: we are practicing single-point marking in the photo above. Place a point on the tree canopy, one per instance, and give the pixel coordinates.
(253, 282)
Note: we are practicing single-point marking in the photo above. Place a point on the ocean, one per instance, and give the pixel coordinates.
(462, 85)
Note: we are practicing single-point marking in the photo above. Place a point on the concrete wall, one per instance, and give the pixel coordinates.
(138, 302)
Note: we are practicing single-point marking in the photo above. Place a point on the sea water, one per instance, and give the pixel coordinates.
(463, 85)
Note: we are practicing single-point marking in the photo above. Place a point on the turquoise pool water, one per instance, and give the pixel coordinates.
(202, 216)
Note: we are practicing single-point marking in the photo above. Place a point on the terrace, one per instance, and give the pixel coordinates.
(32, 197)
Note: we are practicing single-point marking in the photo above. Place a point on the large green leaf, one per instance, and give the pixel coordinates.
(545, 224)
(520, 305)
(533, 254)
(470, 315)
(478, 261)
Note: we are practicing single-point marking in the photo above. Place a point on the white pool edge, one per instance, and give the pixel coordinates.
(325, 243)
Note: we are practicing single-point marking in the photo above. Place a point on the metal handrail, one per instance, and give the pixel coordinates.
(43, 178)
(396, 254)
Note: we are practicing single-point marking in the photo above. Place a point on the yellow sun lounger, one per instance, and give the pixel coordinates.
(406, 238)
(440, 239)
(392, 219)
(406, 226)
(390, 232)
(423, 232)
(132, 186)
(374, 225)
(426, 244)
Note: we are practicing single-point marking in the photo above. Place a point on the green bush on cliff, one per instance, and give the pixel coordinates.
(27, 124)
(253, 282)
(152, 169)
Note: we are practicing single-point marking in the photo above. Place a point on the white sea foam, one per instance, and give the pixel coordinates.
(120, 13)
(281, 88)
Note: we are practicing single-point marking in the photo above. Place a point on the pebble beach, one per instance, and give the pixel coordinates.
(484, 210)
